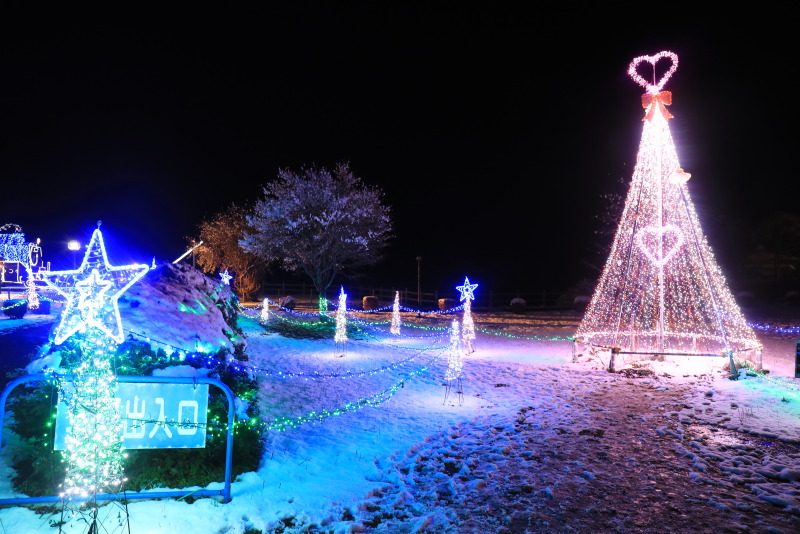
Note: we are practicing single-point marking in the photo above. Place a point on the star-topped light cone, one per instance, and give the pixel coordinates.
(93, 453)
(662, 291)
(467, 324)
(92, 291)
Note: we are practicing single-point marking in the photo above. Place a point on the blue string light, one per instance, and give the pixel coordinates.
(770, 328)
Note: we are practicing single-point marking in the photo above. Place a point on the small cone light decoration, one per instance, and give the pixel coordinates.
(468, 325)
(341, 319)
(395, 327)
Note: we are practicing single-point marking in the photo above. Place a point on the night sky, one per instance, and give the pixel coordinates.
(492, 131)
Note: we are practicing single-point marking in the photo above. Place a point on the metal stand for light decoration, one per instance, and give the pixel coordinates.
(457, 387)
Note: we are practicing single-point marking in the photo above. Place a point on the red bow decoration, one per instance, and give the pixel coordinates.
(659, 100)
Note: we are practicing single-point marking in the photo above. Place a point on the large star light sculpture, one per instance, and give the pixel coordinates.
(92, 291)
(467, 290)
(226, 277)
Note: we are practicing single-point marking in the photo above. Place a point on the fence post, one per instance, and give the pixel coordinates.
(734, 372)
(611, 361)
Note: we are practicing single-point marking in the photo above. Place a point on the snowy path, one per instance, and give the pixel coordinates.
(539, 444)
(598, 454)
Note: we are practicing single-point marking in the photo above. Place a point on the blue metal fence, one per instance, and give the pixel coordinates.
(225, 492)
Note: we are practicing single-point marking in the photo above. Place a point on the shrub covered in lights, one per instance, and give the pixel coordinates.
(313, 326)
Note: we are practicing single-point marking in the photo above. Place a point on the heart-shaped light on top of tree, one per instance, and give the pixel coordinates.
(661, 290)
(93, 443)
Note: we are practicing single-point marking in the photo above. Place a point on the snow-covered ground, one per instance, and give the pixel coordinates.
(539, 444)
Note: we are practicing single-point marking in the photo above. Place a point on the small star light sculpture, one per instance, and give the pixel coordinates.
(226, 277)
(92, 291)
(467, 290)
(467, 324)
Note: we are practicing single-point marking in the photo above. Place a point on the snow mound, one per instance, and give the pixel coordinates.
(177, 307)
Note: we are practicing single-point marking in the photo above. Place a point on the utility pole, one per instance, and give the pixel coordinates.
(419, 261)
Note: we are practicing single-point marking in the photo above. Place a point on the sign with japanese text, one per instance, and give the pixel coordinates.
(154, 416)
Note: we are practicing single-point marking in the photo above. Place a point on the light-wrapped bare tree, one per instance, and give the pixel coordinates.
(319, 222)
(221, 250)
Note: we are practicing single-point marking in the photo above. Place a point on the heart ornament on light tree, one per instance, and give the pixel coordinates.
(657, 87)
(647, 239)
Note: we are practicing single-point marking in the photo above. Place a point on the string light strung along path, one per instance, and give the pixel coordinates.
(661, 290)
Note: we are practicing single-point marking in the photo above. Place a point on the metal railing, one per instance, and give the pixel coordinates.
(225, 492)
(305, 295)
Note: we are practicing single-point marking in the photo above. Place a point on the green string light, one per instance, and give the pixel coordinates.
(529, 338)
(216, 427)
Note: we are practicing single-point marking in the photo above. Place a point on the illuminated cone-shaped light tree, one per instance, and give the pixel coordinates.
(468, 326)
(455, 355)
(661, 290)
(341, 319)
(265, 311)
(395, 327)
(93, 443)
